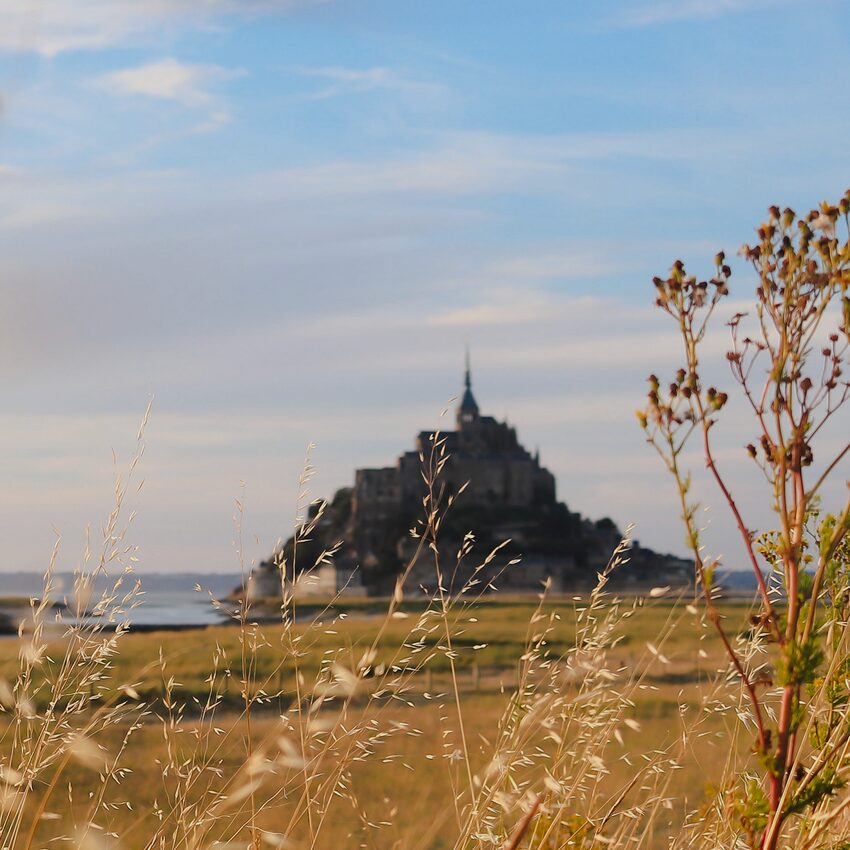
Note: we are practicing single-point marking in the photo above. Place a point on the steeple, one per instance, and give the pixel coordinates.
(467, 413)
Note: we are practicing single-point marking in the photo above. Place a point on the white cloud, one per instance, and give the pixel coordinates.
(169, 79)
(50, 27)
(568, 264)
(571, 167)
(342, 81)
(35, 214)
(509, 313)
(669, 11)
(458, 163)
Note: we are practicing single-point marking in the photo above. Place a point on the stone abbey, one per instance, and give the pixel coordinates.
(501, 493)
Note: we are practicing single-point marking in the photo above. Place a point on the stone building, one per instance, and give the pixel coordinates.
(482, 454)
(325, 581)
(503, 493)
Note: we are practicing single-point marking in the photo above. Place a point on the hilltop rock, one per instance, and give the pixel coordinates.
(499, 492)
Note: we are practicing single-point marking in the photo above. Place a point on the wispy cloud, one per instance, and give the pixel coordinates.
(670, 11)
(567, 264)
(35, 214)
(510, 313)
(169, 79)
(51, 27)
(456, 164)
(344, 81)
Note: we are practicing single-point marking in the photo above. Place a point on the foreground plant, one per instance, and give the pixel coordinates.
(790, 371)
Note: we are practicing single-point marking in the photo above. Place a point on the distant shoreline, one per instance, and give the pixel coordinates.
(368, 608)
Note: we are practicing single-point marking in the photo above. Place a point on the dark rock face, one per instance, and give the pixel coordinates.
(501, 492)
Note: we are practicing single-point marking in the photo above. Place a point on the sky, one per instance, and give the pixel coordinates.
(282, 221)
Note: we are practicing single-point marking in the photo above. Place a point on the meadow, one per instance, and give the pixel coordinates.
(429, 715)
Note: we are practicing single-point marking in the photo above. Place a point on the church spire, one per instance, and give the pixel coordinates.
(468, 411)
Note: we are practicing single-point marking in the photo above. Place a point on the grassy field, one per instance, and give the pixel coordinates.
(489, 639)
(399, 790)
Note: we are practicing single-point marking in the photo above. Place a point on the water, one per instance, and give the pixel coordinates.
(167, 600)
(171, 601)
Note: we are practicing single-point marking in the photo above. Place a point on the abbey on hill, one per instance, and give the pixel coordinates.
(503, 493)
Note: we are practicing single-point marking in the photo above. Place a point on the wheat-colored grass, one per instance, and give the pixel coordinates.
(460, 721)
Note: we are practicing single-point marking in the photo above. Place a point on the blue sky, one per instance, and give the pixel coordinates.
(284, 220)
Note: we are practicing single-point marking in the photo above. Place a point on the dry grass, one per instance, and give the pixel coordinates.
(441, 723)
(390, 764)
